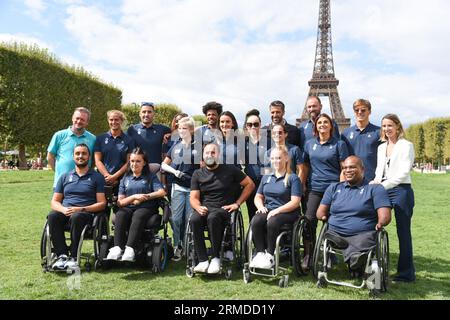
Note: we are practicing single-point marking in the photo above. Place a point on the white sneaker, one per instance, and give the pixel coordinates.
(71, 264)
(228, 255)
(267, 262)
(128, 255)
(114, 253)
(202, 267)
(256, 261)
(177, 253)
(214, 266)
(60, 264)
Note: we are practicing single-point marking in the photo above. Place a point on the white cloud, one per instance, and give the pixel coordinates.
(243, 54)
(35, 9)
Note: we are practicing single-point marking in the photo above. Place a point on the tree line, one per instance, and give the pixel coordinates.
(38, 94)
(431, 141)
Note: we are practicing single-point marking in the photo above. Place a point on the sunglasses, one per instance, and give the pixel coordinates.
(252, 124)
(147, 104)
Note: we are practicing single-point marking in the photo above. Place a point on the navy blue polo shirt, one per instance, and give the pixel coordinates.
(232, 151)
(254, 159)
(275, 193)
(364, 144)
(131, 185)
(353, 209)
(324, 161)
(294, 153)
(149, 139)
(80, 191)
(186, 159)
(114, 150)
(307, 132)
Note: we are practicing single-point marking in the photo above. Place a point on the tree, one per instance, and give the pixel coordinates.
(421, 145)
(164, 113)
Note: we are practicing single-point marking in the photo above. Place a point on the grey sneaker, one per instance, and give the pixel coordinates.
(177, 253)
(71, 264)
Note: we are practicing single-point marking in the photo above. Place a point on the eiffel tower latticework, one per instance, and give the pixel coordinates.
(324, 82)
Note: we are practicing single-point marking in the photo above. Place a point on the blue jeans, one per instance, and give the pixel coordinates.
(181, 209)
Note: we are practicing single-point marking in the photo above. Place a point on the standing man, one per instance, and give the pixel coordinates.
(149, 136)
(211, 110)
(79, 194)
(277, 111)
(363, 138)
(314, 108)
(60, 149)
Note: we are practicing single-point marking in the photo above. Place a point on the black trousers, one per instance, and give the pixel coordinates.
(313, 199)
(267, 231)
(216, 220)
(251, 208)
(77, 221)
(133, 221)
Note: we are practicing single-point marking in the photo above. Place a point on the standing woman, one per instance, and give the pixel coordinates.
(394, 163)
(180, 162)
(278, 202)
(138, 192)
(112, 151)
(324, 156)
(229, 146)
(255, 149)
(279, 136)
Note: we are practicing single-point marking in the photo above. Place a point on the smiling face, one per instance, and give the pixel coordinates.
(137, 163)
(323, 126)
(115, 121)
(279, 135)
(226, 124)
(390, 129)
(353, 170)
(278, 160)
(81, 156)
(80, 121)
(147, 114)
(211, 118)
(313, 107)
(362, 113)
(276, 114)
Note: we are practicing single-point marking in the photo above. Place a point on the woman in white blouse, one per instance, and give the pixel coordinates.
(394, 164)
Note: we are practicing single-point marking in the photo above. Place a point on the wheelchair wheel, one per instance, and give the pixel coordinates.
(47, 256)
(284, 281)
(159, 256)
(300, 230)
(383, 258)
(238, 240)
(189, 251)
(318, 256)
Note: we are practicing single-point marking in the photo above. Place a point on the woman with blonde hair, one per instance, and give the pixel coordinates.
(394, 163)
(278, 203)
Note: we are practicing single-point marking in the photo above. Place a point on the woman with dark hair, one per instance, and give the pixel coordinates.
(255, 148)
(394, 164)
(324, 156)
(138, 191)
(230, 146)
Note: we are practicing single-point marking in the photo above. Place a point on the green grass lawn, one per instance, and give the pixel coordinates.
(25, 202)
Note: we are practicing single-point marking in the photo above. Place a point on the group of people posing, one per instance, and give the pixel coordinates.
(352, 179)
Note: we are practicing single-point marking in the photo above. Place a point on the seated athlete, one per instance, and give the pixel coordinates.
(355, 210)
(213, 198)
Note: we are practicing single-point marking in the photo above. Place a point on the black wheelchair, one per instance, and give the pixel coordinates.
(375, 274)
(290, 242)
(232, 240)
(153, 250)
(95, 231)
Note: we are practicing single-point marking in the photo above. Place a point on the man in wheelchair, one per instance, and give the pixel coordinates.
(355, 212)
(79, 194)
(213, 199)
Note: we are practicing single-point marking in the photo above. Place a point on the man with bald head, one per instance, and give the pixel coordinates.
(355, 210)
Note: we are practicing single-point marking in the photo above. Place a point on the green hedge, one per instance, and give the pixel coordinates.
(38, 95)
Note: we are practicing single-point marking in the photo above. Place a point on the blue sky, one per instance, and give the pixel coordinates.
(247, 54)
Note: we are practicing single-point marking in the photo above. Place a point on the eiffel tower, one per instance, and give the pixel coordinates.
(324, 82)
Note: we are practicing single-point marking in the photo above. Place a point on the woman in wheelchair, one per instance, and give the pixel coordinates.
(278, 201)
(138, 191)
(355, 212)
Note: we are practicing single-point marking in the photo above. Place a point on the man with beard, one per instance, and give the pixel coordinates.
(149, 136)
(208, 132)
(314, 109)
(216, 191)
(79, 194)
(60, 149)
(355, 210)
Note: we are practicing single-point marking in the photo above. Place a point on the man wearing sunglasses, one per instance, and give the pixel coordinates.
(149, 136)
(277, 111)
(363, 138)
